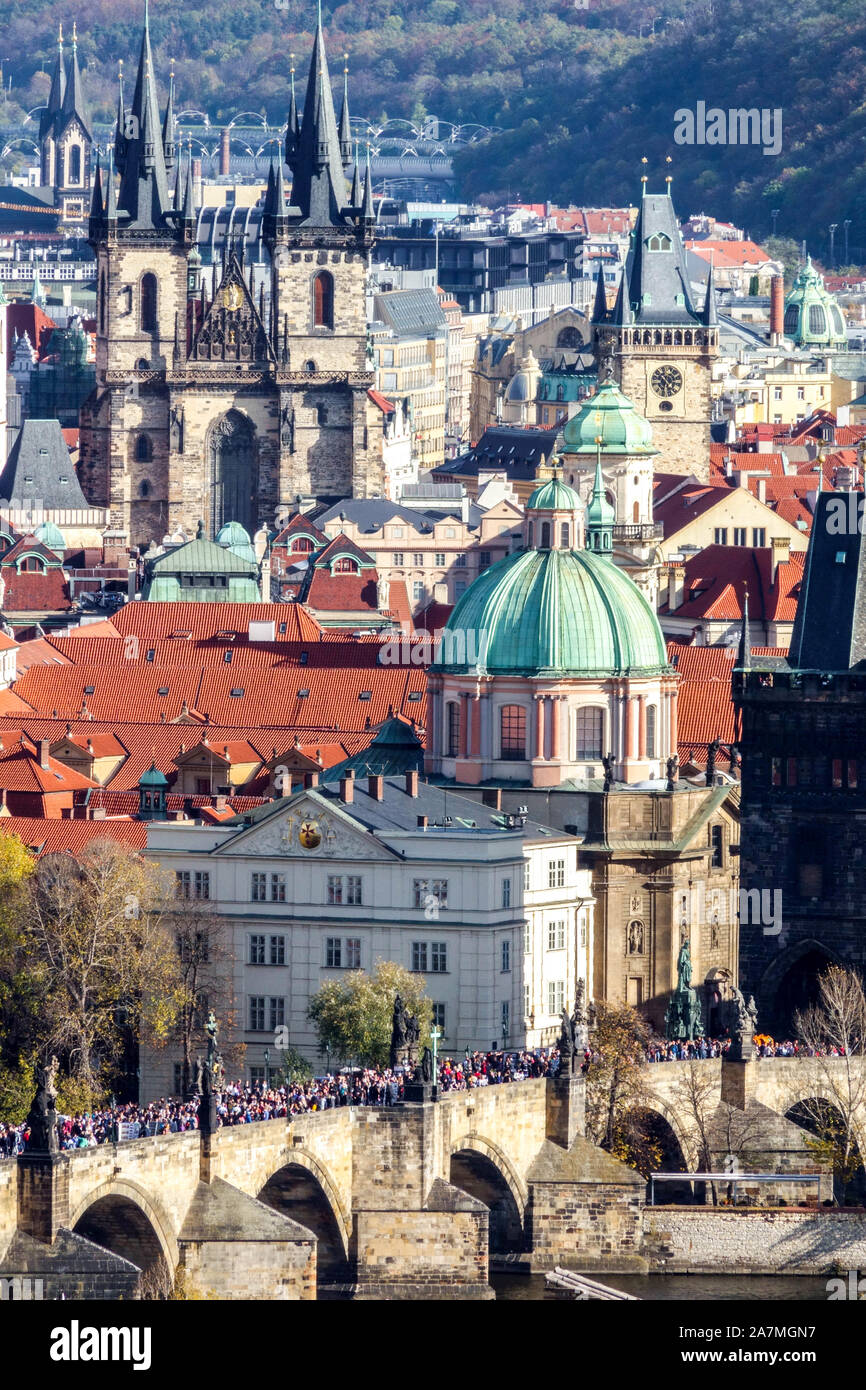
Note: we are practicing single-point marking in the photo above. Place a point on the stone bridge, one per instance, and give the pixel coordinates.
(398, 1202)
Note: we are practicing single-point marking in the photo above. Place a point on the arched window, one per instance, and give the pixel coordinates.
(560, 393)
(344, 566)
(651, 731)
(512, 724)
(31, 564)
(103, 301)
(75, 164)
(148, 303)
(529, 535)
(590, 733)
(564, 535)
(323, 300)
(144, 488)
(635, 513)
(452, 738)
(301, 545)
(309, 367)
(545, 535)
(143, 449)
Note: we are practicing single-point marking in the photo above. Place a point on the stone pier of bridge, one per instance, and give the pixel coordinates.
(397, 1202)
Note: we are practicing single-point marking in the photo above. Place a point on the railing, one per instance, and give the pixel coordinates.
(650, 531)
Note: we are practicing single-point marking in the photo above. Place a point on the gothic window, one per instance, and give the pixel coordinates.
(651, 731)
(143, 449)
(453, 736)
(323, 300)
(635, 513)
(569, 338)
(658, 242)
(233, 469)
(148, 303)
(657, 338)
(103, 297)
(590, 732)
(560, 393)
(678, 338)
(667, 337)
(75, 164)
(688, 337)
(513, 733)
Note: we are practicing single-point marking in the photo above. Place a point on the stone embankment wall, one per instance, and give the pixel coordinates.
(710, 1241)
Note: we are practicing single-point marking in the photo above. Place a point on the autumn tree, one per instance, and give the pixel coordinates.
(107, 965)
(353, 1015)
(202, 940)
(617, 1115)
(831, 1082)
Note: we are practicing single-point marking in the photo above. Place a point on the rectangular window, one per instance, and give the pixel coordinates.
(430, 892)
(506, 955)
(257, 1013)
(418, 559)
(460, 561)
(182, 883)
(398, 559)
(556, 936)
(777, 393)
(353, 953)
(792, 772)
(259, 887)
(801, 393)
(257, 950)
(483, 559)
(759, 536)
(555, 996)
(556, 873)
(278, 888)
(419, 955)
(439, 1018)
(527, 1001)
(776, 772)
(505, 1020)
(739, 535)
(277, 1013)
(590, 733)
(717, 846)
(202, 884)
(334, 952)
(257, 1076)
(852, 773)
(335, 890)
(353, 890)
(720, 535)
(278, 950)
(506, 892)
(438, 957)
(527, 875)
(439, 559)
(527, 938)
(418, 590)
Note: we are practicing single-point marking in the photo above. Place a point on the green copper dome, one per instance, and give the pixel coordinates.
(51, 536)
(612, 415)
(812, 316)
(552, 613)
(554, 496)
(236, 539)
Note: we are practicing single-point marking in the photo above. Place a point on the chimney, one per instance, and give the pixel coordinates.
(377, 787)
(676, 586)
(311, 779)
(412, 782)
(219, 801)
(225, 152)
(99, 813)
(781, 548)
(44, 745)
(492, 797)
(347, 788)
(777, 309)
(422, 822)
(762, 489)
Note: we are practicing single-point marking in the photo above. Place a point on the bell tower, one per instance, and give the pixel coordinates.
(659, 347)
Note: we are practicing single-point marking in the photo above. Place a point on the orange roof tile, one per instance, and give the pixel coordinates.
(52, 836)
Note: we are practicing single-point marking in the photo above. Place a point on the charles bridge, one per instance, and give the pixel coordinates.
(405, 1201)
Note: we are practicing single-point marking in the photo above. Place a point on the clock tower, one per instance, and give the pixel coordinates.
(657, 345)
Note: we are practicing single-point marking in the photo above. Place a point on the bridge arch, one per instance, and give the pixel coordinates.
(481, 1168)
(303, 1189)
(685, 1141)
(124, 1218)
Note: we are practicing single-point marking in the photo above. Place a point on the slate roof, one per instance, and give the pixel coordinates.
(509, 449)
(656, 278)
(410, 312)
(371, 514)
(39, 459)
(834, 587)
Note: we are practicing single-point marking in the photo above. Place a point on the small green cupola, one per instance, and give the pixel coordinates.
(553, 516)
(152, 791)
(599, 515)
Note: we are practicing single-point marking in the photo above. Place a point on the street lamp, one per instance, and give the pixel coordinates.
(833, 226)
(845, 225)
(267, 1063)
(774, 214)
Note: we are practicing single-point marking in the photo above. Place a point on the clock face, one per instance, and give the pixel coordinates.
(666, 381)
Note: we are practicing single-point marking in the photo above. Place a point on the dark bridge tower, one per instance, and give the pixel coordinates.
(803, 738)
(320, 244)
(659, 344)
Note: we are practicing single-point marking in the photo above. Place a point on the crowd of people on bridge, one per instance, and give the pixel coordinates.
(679, 1051)
(240, 1103)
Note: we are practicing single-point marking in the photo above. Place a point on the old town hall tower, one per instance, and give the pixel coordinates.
(228, 408)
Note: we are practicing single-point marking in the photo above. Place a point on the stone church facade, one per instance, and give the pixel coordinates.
(228, 409)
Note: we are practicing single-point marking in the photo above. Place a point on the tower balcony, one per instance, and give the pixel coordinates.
(639, 534)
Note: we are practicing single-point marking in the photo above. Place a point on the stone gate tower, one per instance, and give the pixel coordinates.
(227, 408)
(657, 345)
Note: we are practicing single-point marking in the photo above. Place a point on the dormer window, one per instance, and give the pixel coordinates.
(658, 242)
(344, 566)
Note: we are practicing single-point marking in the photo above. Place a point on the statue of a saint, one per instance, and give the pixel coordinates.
(42, 1120)
(684, 968)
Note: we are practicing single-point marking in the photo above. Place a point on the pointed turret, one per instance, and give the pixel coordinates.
(355, 196)
(144, 191)
(120, 127)
(599, 310)
(97, 200)
(56, 94)
(622, 311)
(744, 650)
(111, 194)
(188, 210)
(345, 127)
(367, 205)
(318, 190)
(600, 514)
(73, 97)
(168, 142)
(709, 316)
(659, 284)
(292, 128)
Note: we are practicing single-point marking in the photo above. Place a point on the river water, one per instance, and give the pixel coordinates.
(684, 1288)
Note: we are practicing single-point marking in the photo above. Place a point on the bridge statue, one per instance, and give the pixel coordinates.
(405, 1032)
(42, 1120)
(684, 1016)
(740, 1021)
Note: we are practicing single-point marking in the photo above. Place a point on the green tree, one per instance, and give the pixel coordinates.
(786, 250)
(353, 1016)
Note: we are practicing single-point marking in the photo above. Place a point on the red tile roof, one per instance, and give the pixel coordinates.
(717, 578)
(203, 620)
(21, 770)
(728, 253)
(704, 707)
(386, 406)
(53, 836)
